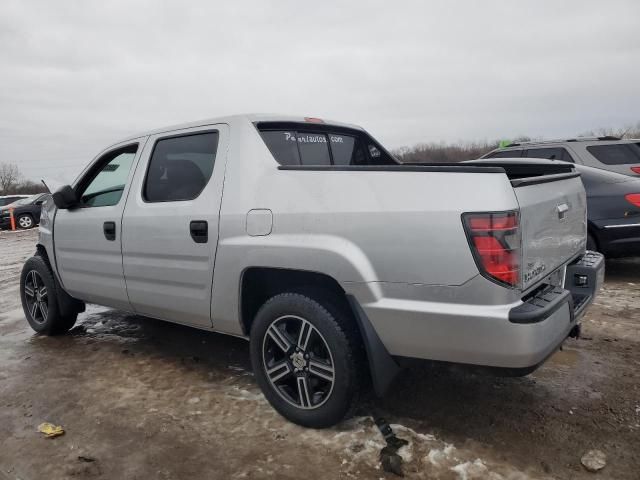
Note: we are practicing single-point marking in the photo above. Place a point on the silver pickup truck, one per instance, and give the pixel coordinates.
(310, 240)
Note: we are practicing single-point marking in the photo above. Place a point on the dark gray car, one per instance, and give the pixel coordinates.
(606, 153)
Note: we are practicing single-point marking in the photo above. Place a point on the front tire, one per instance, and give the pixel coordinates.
(39, 299)
(305, 357)
(25, 222)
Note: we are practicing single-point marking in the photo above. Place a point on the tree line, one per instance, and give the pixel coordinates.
(13, 182)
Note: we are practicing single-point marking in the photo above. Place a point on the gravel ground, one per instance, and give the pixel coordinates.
(142, 399)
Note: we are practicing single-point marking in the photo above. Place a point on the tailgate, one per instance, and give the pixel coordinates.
(553, 223)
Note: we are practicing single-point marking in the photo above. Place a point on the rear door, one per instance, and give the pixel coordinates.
(87, 239)
(170, 225)
(553, 224)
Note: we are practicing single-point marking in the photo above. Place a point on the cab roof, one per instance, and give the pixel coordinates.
(247, 117)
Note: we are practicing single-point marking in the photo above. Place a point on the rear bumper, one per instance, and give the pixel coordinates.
(487, 335)
(583, 279)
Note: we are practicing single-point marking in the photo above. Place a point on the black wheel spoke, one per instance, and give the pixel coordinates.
(279, 338)
(303, 337)
(44, 309)
(34, 310)
(303, 392)
(279, 371)
(321, 369)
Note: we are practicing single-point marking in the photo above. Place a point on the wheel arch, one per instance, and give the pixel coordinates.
(67, 304)
(258, 284)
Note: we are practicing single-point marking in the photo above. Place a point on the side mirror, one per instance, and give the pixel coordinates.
(65, 198)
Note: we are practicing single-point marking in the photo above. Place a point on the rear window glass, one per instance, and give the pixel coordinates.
(323, 148)
(347, 150)
(283, 146)
(506, 154)
(314, 149)
(617, 154)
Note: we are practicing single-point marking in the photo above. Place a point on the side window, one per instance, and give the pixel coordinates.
(548, 153)
(180, 167)
(105, 186)
(506, 154)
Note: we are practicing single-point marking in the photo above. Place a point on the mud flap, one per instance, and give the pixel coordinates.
(383, 367)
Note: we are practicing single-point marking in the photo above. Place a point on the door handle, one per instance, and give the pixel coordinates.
(199, 231)
(109, 229)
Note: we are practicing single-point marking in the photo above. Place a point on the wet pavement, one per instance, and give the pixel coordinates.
(140, 399)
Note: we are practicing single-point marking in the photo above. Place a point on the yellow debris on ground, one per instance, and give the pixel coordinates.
(50, 430)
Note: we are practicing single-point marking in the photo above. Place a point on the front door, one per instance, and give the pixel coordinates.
(87, 239)
(170, 224)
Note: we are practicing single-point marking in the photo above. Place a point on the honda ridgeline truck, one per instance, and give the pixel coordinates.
(310, 240)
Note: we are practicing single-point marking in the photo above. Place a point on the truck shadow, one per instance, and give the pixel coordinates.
(623, 269)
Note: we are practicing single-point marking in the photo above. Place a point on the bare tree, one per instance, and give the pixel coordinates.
(628, 131)
(9, 177)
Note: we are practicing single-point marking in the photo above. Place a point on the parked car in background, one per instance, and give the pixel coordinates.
(26, 212)
(606, 153)
(613, 208)
(7, 199)
(331, 258)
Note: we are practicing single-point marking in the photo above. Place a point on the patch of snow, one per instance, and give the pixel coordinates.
(471, 470)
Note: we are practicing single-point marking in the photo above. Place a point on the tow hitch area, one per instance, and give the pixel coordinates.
(583, 279)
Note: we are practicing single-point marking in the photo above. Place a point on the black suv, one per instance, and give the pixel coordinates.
(26, 212)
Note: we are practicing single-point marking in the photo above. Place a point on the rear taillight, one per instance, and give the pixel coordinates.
(495, 242)
(633, 198)
(635, 170)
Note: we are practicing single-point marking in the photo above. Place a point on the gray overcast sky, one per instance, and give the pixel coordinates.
(78, 75)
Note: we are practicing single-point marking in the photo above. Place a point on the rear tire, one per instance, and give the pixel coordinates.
(25, 222)
(40, 299)
(306, 359)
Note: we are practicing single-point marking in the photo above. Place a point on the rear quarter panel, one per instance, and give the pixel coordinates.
(359, 227)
